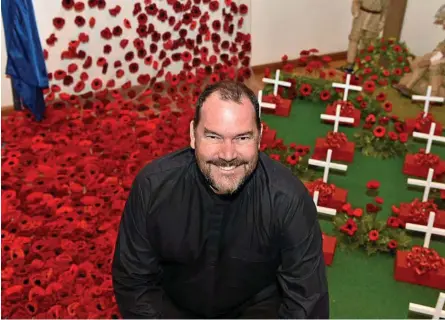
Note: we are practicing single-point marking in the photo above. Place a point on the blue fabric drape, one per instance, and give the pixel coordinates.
(26, 63)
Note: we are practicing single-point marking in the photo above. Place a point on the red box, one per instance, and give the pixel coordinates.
(338, 199)
(283, 109)
(411, 123)
(329, 246)
(404, 273)
(345, 153)
(411, 168)
(282, 106)
(404, 215)
(330, 109)
(269, 136)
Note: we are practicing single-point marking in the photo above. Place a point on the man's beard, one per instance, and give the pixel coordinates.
(226, 184)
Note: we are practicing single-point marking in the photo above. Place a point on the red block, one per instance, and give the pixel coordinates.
(411, 168)
(404, 273)
(345, 153)
(404, 215)
(329, 245)
(338, 199)
(411, 123)
(356, 115)
(269, 137)
(283, 109)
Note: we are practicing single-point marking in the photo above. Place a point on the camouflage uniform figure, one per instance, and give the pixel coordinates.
(426, 68)
(368, 21)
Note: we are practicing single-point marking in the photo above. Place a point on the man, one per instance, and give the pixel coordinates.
(431, 66)
(367, 24)
(220, 230)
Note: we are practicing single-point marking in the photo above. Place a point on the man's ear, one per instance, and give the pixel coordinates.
(192, 135)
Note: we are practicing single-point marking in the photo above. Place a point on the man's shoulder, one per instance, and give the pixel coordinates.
(163, 168)
(281, 179)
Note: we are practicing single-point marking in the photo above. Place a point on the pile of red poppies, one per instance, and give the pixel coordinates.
(64, 186)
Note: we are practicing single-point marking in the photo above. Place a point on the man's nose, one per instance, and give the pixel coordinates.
(227, 151)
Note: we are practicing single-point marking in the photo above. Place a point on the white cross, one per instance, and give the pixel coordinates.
(428, 184)
(428, 98)
(327, 165)
(264, 104)
(430, 137)
(320, 209)
(337, 119)
(428, 230)
(437, 312)
(346, 86)
(276, 82)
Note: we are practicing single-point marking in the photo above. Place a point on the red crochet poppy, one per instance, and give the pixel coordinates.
(58, 23)
(79, 6)
(107, 49)
(79, 21)
(67, 4)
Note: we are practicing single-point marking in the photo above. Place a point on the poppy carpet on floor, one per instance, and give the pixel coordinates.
(65, 183)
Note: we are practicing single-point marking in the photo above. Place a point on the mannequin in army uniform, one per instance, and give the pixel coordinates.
(430, 66)
(369, 20)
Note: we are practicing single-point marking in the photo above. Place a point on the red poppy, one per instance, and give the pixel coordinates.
(325, 95)
(373, 235)
(106, 33)
(58, 23)
(387, 106)
(372, 208)
(292, 159)
(392, 244)
(381, 96)
(378, 200)
(370, 119)
(92, 22)
(384, 120)
(357, 212)
(275, 157)
(373, 184)
(96, 84)
(79, 6)
(305, 89)
(350, 227)
(393, 136)
(403, 137)
(369, 86)
(379, 131)
(117, 31)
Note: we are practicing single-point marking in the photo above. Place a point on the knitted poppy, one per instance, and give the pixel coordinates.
(127, 24)
(79, 21)
(67, 4)
(115, 11)
(92, 22)
(151, 9)
(79, 6)
(133, 67)
(106, 33)
(117, 64)
(129, 56)
(58, 23)
(107, 49)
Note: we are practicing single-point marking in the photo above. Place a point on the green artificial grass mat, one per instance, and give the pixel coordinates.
(363, 286)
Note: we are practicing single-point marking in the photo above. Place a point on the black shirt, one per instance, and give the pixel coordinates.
(211, 254)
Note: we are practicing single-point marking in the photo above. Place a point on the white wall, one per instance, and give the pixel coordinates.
(419, 32)
(288, 26)
(281, 27)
